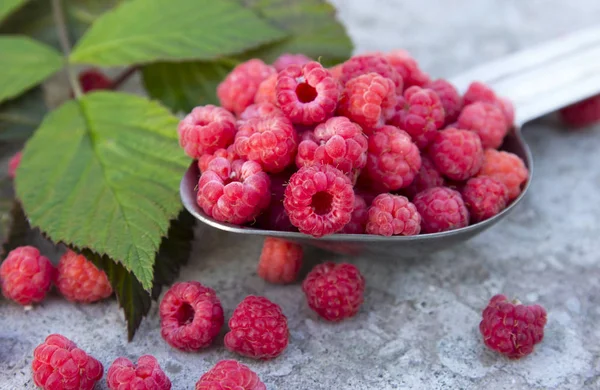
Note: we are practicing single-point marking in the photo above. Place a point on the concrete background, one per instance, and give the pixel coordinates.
(418, 326)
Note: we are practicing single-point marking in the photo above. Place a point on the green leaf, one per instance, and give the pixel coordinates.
(21, 116)
(103, 173)
(25, 63)
(8, 6)
(143, 31)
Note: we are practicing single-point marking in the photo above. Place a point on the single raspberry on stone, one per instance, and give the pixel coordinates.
(26, 276)
(287, 59)
(427, 177)
(307, 94)
(319, 200)
(260, 110)
(146, 375)
(229, 154)
(581, 114)
(456, 153)
(360, 215)
(507, 168)
(280, 261)
(230, 375)
(511, 328)
(393, 215)
(206, 129)
(408, 68)
(485, 197)
(79, 280)
(13, 164)
(93, 79)
(334, 291)
(441, 209)
(371, 63)
(59, 364)
(487, 120)
(480, 92)
(420, 113)
(272, 142)
(450, 98)
(266, 92)
(258, 329)
(237, 91)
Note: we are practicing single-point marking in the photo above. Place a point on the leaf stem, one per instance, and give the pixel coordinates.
(63, 37)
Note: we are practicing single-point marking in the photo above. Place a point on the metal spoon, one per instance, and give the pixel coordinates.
(538, 81)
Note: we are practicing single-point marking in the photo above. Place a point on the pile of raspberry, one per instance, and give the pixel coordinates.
(369, 146)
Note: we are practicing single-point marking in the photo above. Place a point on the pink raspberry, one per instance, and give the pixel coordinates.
(93, 79)
(191, 316)
(307, 94)
(583, 113)
(237, 91)
(280, 261)
(26, 276)
(507, 168)
(287, 59)
(275, 217)
(427, 177)
(484, 197)
(229, 375)
(146, 375)
(393, 215)
(334, 291)
(259, 329)
(59, 364)
(266, 91)
(337, 142)
(457, 154)
(229, 154)
(359, 218)
(206, 129)
(13, 164)
(408, 68)
(371, 63)
(336, 71)
(79, 280)
(260, 110)
(487, 121)
(272, 142)
(319, 200)
(441, 209)
(480, 92)
(450, 98)
(234, 192)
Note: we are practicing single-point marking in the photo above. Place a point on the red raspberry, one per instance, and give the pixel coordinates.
(336, 72)
(79, 280)
(230, 375)
(93, 79)
(280, 261)
(427, 177)
(266, 91)
(371, 63)
(237, 91)
(450, 98)
(420, 113)
(441, 209)
(191, 316)
(511, 328)
(485, 119)
(59, 364)
(368, 100)
(319, 200)
(260, 110)
(508, 109)
(234, 192)
(337, 142)
(334, 291)
(407, 68)
(206, 129)
(479, 92)
(272, 142)
(457, 154)
(583, 113)
(287, 59)
(259, 329)
(26, 276)
(275, 217)
(393, 215)
(484, 197)
(307, 94)
(147, 375)
(507, 168)
(229, 154)
(359, 218)
(393, 159)
(13, 164)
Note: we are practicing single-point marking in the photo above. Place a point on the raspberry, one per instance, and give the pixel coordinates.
(485, 119)
(266, 91)
(147, 375)
(360, 214)
(479, 92)
(368, 100)
(420, 113)
(272, 142)
(484, 197)
(427, 177)
(260, 110)
(259, 329)
(93, 79)
(393, 159)
(393, 215)
(206, 129)
(229, 154)
(511, 328)
(507, 168)
(457, 154)
(371, 63)
(337, 142)
(13, 164)
(79, 280)
(275, 217)
(319, 200)
(307, 94)
(508, 109)
(334, 291)
(237, 91)
(59, 364)
(336, 72)
(450, 98)
(229, 375)
(441, 209)
(583, 113)
(407, 68)
(287, 59)
(191, 316)
(280, 261)
(26, 276)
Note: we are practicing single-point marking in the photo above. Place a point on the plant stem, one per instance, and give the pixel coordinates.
(123, 77)
(63, 37)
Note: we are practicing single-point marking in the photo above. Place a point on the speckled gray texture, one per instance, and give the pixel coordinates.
(418, 326)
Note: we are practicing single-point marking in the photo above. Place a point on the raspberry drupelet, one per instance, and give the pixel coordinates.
(371, 63)
(260, 110)
(360, 215)
(13, 164)
(237, 91)
(206, 129)
(407, 67)
(229, 375)
(266, 92)
(229, 154)
(441, 209)
(393, 215)
(456, 153)
(480, 92)
(26, 276)
(450, 98)
(280, 261)
(145, 375)
(507, 168)
(287, 59)
(484, 197)
(428, 177)
(581, 114)
(79, 280)
(487, 120)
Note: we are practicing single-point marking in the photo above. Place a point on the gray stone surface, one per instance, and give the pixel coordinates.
(418, 326)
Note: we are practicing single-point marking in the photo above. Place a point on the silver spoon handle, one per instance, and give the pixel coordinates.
(544, 78)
